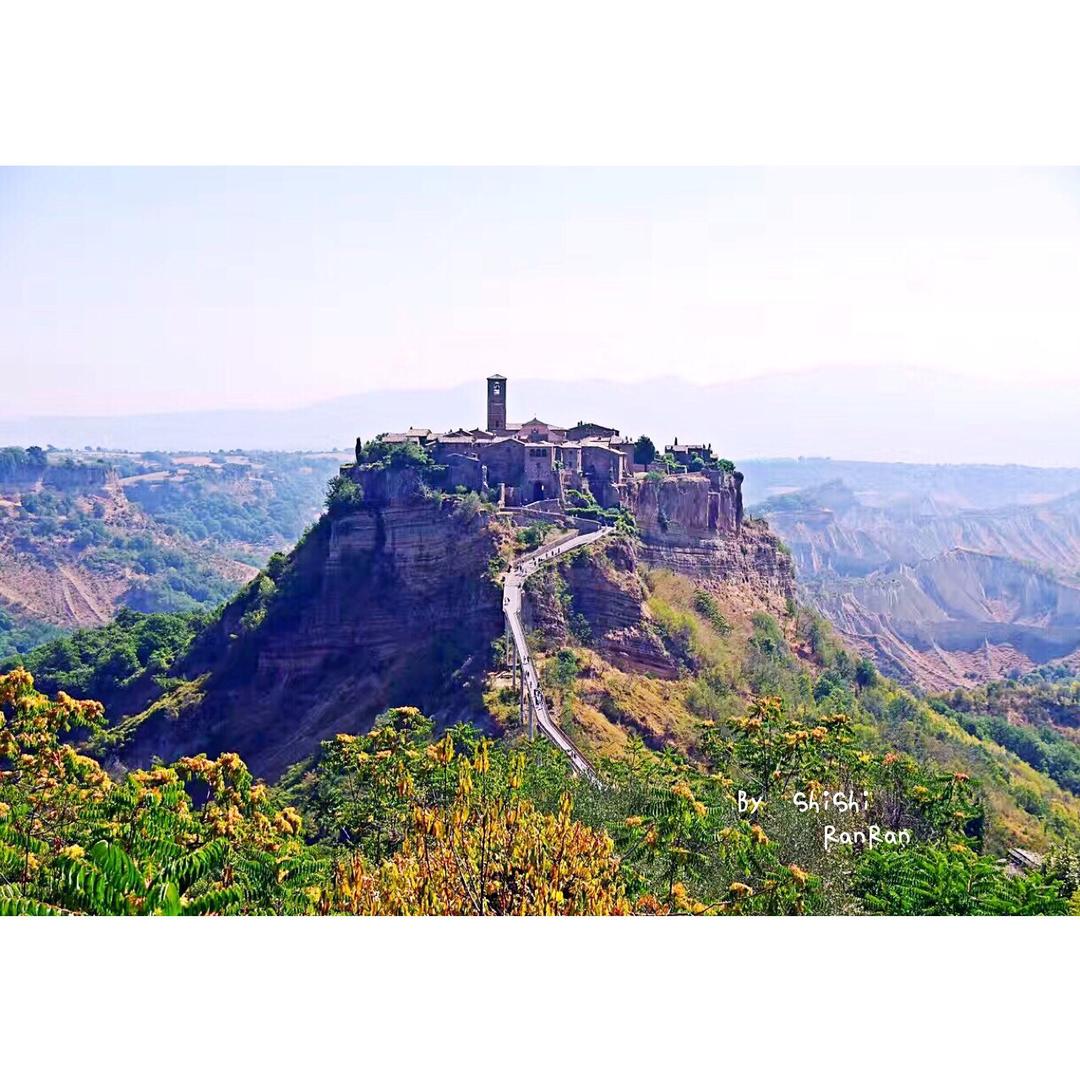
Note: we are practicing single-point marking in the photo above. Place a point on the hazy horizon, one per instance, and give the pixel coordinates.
(925, 313)
(898, 415)
(644, 382)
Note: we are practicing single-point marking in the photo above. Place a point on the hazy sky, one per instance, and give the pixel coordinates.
(158, 290)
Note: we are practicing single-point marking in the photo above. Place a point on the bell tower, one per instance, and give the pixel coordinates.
(496, 404)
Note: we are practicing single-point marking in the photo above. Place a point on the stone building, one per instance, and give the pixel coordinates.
(538, 430)
(588, 430)
(684, 453)
(517, 464)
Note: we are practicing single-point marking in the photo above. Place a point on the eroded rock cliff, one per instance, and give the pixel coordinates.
(377, 607)
(691, 506)
(598, 596)
(942, 596)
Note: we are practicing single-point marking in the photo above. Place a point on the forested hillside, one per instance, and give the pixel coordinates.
(86, 534)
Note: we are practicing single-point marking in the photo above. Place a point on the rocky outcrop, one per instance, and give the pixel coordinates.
(379, 606)
(689, 506)
(608, 594)
(597, 597)
(391, 601)
(79, 477)
(603, 587)
(70, 477)
(753, 562)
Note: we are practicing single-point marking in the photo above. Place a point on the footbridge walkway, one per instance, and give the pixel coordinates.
(533, 702)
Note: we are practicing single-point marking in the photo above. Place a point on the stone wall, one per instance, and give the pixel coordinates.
(464, 471)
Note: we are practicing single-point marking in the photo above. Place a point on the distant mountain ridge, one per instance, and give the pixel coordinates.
(897, 414)
(829, 529)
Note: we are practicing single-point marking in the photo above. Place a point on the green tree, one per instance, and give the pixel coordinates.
(644, 451)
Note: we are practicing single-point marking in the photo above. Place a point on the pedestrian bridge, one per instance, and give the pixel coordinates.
(532, 702)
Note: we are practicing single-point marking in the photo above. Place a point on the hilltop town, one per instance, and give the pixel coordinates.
(549, 467)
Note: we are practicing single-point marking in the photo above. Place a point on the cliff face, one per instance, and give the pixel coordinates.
(604, 588)
(692, 506)
(600, 596)
(73, 478)
(752, 566)
(378, 607)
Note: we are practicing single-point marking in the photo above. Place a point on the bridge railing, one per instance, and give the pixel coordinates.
(517, 632)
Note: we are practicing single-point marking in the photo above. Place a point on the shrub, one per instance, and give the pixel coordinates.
(950, 880)
(342, 494)
(705, 605)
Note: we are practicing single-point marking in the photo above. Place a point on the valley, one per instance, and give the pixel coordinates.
(947, 575)
(85, 534)
(365, 675)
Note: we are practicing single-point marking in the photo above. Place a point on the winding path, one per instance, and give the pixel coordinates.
(533, 695)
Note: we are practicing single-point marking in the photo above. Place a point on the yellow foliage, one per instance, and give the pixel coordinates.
(486, 857)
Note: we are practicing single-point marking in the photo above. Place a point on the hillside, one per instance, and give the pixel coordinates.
(375, 608)
(392, 598)
(366, 672)
(654, 655)
(1037, 718)
(83, 535)
(647, 641)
